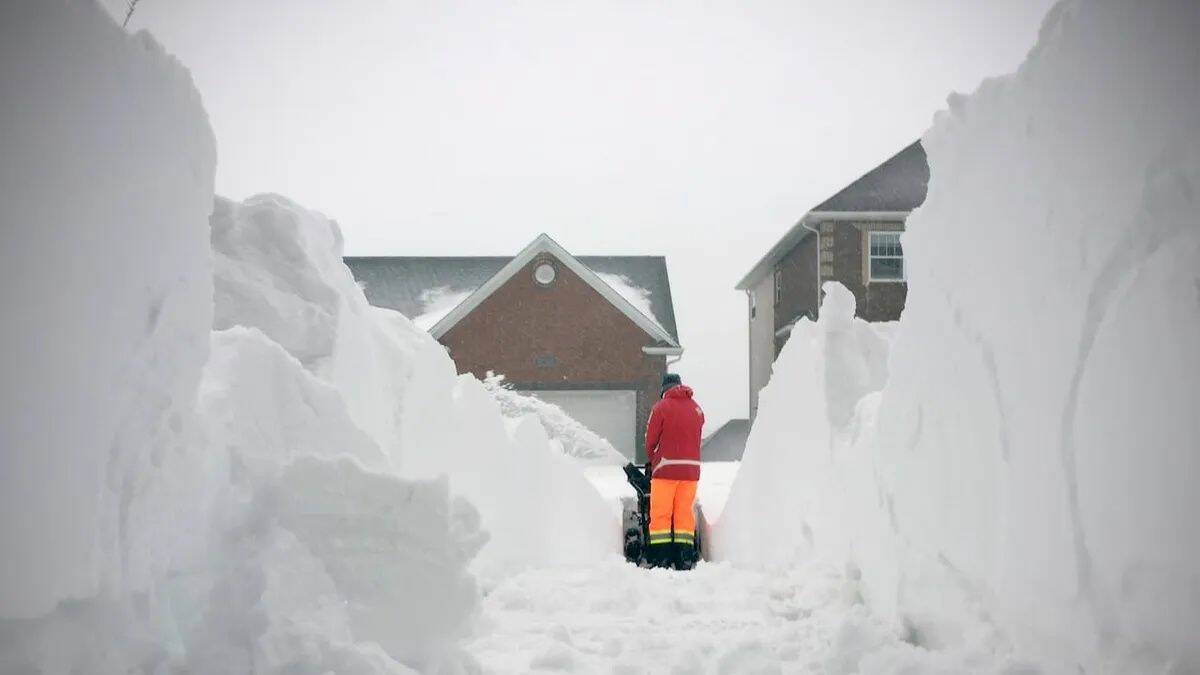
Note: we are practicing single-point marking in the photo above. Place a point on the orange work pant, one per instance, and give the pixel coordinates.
(671, 515)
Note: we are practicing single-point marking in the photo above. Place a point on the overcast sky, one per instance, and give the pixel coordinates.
(696, 130)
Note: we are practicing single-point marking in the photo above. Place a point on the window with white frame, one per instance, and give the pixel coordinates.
(886, 257)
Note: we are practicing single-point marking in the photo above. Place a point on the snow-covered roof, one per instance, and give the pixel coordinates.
(419, 286)
(727, 443)
(405, 283)
(899, 184)
(890, 190)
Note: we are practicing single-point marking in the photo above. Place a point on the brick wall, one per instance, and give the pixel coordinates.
(564, 335)
(798, 286)
(843, 247)
(843, 259)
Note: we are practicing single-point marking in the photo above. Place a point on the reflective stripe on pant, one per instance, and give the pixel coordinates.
(671, 515)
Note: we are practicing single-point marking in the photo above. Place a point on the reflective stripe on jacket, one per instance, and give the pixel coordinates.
(673, 436)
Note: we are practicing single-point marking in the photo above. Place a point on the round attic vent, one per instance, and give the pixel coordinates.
(544, 274)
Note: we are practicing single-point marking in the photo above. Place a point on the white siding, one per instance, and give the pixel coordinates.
(762, 338)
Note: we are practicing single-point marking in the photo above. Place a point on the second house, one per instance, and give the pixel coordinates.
(854, 238)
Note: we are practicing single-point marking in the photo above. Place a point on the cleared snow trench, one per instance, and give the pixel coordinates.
(265, 474)
(613, 617)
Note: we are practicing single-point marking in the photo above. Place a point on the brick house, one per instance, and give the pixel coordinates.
(593, 334)
(854, 238)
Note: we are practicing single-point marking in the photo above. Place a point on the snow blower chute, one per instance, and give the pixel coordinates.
(636, 518)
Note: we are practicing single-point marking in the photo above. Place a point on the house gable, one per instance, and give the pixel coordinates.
(556, 337)
(544, 245)
(562, 333)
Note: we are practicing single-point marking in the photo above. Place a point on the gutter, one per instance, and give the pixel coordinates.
(676, 352)
(856, 215)
(663, 351)
(669, 352)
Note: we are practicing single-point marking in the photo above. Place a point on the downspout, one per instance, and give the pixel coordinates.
(750, 410)
(817, 248)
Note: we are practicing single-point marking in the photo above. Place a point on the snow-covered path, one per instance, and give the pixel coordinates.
(613, 617)
(616, 618)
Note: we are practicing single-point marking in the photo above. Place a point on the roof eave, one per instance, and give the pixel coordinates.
(786, 243)
(822, 216)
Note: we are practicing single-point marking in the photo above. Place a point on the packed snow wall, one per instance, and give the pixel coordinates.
(279, 269)
(809, 451)
(107, 173)
(309, 487)
(1029, 464)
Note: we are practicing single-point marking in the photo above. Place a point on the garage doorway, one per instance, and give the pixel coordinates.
(611, 414)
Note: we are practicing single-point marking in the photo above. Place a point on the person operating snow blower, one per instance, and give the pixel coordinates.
(673, 451)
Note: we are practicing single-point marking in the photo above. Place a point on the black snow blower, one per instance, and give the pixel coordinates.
(636, 520)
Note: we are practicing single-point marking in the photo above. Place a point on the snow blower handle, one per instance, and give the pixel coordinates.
(639, 480)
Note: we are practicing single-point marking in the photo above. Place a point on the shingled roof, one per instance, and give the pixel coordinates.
(895, 187)
(400, 282)
(899, 184)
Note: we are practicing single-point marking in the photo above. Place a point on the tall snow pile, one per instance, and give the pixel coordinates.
(1029, 466)
(106, 289)
(566, 434)
(309, 488)
(279, 270)
(804, 452)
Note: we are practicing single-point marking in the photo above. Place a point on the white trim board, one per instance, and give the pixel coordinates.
(544, 244)
(870, 274)
(865, 216)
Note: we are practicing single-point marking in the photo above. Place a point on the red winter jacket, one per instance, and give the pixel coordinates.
(673, 436)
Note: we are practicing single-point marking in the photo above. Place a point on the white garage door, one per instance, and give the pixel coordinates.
(611, 414)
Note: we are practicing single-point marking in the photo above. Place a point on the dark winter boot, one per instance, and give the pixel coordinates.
(684, 555)
(659, 555)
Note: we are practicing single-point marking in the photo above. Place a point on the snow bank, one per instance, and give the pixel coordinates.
(1030, 463)
(106, 183)
(535, 502)
(279, 269)
(399, 405)
(288, 493)
(566, 434)
(1074, 500)
(806, 453)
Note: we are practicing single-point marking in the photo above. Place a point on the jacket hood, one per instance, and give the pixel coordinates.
(679, 391)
